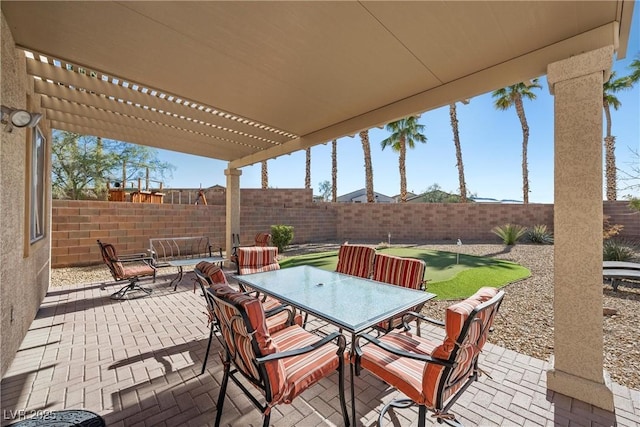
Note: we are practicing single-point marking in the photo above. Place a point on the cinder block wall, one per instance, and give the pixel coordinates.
(423, 222)
(77, 224)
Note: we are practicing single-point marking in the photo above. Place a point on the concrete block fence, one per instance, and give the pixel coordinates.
(76, 224)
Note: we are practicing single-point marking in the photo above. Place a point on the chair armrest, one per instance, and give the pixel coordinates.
(421, 317)
(342, 344)
(147, 260)
(133, 256)
(398, 352)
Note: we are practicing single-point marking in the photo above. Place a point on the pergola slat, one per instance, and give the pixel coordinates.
(97, 85)
(91, 101)
(142, 135)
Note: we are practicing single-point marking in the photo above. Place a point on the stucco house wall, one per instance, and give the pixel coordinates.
(24, 267)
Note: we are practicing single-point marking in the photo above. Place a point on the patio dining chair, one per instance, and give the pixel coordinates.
(356, 260)
(406, 272)
(261, 240)
(208, 274)
(433, 375)
(280, 365)
(127, 268)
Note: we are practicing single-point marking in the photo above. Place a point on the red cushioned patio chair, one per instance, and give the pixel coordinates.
(280, 365)
(127, 268)
(356, 260)
(406, 272)
(433, 375)
(208, 274)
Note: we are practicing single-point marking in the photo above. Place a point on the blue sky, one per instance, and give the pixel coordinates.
(491, 143)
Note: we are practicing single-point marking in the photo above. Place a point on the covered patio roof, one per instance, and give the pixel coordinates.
(248, 81)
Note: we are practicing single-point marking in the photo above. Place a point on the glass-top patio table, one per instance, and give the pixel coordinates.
(351, 303)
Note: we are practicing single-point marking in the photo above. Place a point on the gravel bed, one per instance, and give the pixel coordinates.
(525, 323)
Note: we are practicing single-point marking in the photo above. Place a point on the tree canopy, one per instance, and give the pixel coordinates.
(81, 165)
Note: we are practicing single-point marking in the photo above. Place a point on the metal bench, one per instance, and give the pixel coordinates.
(183, 251)
(619, 271)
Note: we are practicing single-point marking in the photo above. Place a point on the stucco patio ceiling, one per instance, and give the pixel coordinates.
(248, 81)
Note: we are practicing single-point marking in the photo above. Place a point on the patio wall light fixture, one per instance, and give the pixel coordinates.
(12, 117)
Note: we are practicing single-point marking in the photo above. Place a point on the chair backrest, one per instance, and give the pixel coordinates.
(211, 272)
(406, 272)
(467, 325)
(256, 259)
(110, 258)
(263, 239)
(245, 337)
(356, 260)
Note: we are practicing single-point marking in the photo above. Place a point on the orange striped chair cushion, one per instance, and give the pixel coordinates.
(212, 271)
(401, 372)
(257, 259)
(420, 381)
(356, 260)
(303, 370)
(456, 316)
(406, 272)
(126, 270)
(263, 239)
(240, 318)
(243, 319)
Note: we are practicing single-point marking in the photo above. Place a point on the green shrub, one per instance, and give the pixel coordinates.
(509, 233)
(540, 234)
(616, 250)
(281, 236)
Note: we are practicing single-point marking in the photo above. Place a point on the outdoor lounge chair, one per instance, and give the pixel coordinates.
(127, 267)
(356, 260)
(406, 272)
(433, 375)
(280, 365)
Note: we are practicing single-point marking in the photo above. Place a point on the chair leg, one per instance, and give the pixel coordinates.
(422, 415)
(206, 355)
(223, 392)
(343, 403)
(132, 286)
(265, 422)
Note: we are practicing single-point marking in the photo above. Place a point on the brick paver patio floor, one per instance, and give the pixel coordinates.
(137, 363)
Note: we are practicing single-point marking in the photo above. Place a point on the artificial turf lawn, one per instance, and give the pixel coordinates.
(448, 275)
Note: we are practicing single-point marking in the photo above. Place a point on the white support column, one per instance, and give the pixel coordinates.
(233, 206)
(577, 369)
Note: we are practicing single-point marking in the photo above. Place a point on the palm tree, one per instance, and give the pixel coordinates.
(612, 86)
(404, 132)
(635, 71)
(307, 176)
(334, 170)
(456, 141)
(368, 168)
(512, 96)
(265, 175)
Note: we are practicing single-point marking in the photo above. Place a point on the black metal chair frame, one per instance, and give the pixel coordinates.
(133, 284)
(263, 381)
(446, 380)
(204, 282)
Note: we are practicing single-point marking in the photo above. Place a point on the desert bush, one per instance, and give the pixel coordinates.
(509, 233)
(618, 250)
(540, 234)
(281, 236)
(610, 230)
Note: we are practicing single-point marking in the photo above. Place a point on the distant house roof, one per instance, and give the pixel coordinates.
(360, 196)
(410, 196)
(492, 200)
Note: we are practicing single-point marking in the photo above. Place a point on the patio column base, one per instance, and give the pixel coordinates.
(597, 394)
